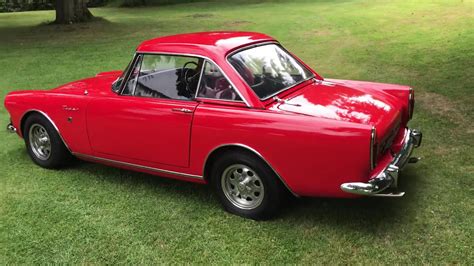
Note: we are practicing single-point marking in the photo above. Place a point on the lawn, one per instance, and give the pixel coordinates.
(96, 214)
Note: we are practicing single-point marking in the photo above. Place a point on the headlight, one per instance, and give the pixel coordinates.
(373, 148)
(411, 103)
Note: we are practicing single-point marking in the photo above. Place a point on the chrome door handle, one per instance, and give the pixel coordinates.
(182, 110)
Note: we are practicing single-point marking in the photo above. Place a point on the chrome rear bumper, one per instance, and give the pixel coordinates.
(11, 128)
(388, 177)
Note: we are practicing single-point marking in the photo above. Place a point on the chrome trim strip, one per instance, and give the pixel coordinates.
(199, 84)
(220, 100)
(388, 177)
(127, 72)
(158, 170)
(231, 53)
(49, 119)
(253, 151)
(138, 61)
(200, 78)
(205, 58)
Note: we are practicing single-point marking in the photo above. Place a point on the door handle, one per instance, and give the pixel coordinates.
(182, 110)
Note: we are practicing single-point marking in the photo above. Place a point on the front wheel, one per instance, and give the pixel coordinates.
(246, 186)
(43, 143)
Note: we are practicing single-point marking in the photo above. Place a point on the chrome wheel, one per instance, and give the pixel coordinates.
(242, 186)
(40, 142)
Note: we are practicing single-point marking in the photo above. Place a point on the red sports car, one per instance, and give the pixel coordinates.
(233, 109)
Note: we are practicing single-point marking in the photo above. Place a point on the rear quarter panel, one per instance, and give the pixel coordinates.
(312, 155)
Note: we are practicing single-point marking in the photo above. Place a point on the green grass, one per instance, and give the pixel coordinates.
(96, 214)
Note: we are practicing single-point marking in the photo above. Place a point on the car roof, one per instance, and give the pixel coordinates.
(209, 44)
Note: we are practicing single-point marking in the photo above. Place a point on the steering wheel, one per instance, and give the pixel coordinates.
(185, 72)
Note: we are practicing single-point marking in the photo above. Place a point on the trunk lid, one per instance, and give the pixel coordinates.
(336, 101)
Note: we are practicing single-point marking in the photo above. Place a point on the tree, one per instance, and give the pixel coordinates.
(70, 11)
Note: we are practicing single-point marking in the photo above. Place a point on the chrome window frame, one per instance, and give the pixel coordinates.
(142, 56)
(189, 55)
(220, 70)
(200, 78)
(138, 59)
(286, 51)
(128, 70)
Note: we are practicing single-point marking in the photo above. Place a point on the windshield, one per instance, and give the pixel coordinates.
(268, 69)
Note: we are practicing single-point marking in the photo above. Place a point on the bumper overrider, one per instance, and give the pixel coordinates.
(388, 177)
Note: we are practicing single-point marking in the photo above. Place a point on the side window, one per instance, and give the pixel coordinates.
(215, 85)
(168, 77)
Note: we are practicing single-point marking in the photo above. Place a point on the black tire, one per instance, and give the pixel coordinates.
(274, 191)
(59, 155)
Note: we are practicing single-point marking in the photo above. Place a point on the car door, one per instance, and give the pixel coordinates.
(150, 119)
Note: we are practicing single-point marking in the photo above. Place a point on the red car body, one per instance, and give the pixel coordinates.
(316, 136)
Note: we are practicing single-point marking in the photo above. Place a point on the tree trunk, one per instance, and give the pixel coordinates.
(70, 11)
(133, 3)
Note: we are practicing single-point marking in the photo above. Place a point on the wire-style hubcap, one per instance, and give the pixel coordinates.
(40, 142)
(242, 186)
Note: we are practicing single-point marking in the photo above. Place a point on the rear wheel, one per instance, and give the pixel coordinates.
(43, 143)
(246, 186)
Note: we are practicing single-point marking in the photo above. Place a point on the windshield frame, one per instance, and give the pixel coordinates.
(302, 65)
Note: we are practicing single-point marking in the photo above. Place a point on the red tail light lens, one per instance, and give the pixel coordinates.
(411, 103)
(373, 148)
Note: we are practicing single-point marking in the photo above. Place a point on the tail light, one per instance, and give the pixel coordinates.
(373, 148)
(411, 103)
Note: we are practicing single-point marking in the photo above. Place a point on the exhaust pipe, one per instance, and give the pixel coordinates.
(11, 128)
(414, 159)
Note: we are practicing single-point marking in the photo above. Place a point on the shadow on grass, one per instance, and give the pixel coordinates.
(137, 179)
(93, 19)
(48, 31)
(362, 214)
(369, 216)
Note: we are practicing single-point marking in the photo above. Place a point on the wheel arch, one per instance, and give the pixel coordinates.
(30, 112)
(237, 147)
